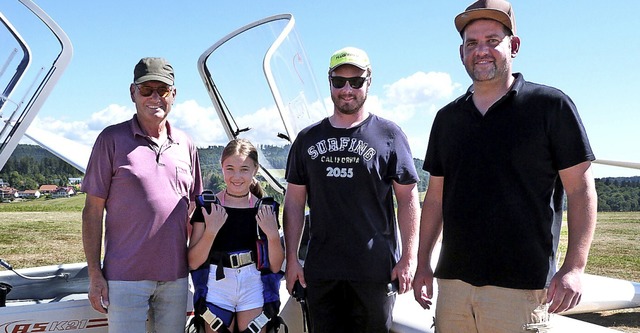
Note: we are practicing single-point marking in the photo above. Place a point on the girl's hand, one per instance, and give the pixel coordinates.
(215, 220)
(266, 218)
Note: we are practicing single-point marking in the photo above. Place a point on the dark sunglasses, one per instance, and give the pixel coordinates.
(146, 91)
(338, 82)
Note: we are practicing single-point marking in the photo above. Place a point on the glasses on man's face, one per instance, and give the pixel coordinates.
(339, 82)
(146, 91)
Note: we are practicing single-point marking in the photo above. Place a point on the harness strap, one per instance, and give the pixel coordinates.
(277, 322)
(305, 316)
(219, 271)
(217, 324)
(235, 259)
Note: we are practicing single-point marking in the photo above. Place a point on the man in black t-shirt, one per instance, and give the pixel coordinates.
(499, 158)
(347, 168)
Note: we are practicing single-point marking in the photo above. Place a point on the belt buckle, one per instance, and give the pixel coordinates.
(240, 259)
(245, 258)
(234, 260)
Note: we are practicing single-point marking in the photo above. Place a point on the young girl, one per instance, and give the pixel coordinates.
(226, 238)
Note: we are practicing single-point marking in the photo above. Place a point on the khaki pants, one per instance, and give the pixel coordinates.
(462, 307)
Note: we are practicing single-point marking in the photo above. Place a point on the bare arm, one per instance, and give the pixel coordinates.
(268, 222)
(203, 235)
(92, 215)
(408, 223)
(565, 288)
(294, 203)
(192, 207)
(276, 254)
(430, 229)
(197, 255)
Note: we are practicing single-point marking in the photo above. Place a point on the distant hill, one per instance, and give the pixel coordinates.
(31, 166)
(618, 194)
(34, 151)
(620, 180)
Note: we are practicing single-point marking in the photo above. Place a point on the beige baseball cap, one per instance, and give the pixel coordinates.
(497, 10)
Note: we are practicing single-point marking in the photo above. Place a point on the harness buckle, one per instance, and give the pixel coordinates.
(216, 324)
(212, 320)
(258, 323)
(240, 259)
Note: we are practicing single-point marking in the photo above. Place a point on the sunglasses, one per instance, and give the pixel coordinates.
(146, 91)
(338, 82)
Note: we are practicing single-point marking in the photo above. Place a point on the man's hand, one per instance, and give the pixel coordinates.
(565, 290)
(403, 272)
(423, 286)
(99, 293)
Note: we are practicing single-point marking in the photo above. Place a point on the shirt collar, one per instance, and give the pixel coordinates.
(517, 85)
(137, 130)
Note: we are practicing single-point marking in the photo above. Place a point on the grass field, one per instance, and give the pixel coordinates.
(615, 252)
(47, 232)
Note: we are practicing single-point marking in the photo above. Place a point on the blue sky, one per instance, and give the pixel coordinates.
(590, 52)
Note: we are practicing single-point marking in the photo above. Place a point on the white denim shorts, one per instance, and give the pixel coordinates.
(240, 290)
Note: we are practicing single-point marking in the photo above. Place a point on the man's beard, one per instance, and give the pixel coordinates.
(487, 75)
(349, 108)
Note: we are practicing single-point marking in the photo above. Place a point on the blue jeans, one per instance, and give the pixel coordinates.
(164, 303)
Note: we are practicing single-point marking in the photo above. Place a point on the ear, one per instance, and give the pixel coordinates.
(461, 53)
(132, 91)
(515, 46)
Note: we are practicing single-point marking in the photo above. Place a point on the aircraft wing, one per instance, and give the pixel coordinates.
(622, 164)
(72, 152)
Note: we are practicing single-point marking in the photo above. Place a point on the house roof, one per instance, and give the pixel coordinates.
(49, 188)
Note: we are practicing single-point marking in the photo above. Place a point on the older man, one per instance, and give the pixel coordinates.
(145, 175)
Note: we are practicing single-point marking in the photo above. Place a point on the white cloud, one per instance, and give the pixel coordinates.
(412, 103)
(201, 123)
(264, 124)
(75, 130)
(420, 88)
(399, 113)
(411, 99)
(110, 115)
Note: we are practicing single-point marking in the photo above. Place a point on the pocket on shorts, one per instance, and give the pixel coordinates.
(540, 316)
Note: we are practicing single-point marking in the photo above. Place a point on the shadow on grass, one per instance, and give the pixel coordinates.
(627, 318)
